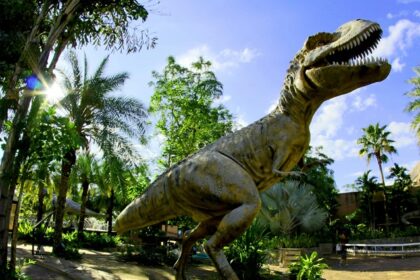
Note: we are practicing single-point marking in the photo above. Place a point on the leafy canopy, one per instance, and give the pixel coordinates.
(184, 99)
(414, 106)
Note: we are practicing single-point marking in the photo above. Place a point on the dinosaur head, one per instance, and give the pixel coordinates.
(331, 64)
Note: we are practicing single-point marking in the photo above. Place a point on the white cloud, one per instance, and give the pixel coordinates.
(338, 149)
(400, 38)
(402, 134)
(361, 104)
(240, 122)
(397, 66)
(153, 149)
(222, 60)
(327, 122)
(397, 15)
(223, 100)
(329, 118)
(272, 106)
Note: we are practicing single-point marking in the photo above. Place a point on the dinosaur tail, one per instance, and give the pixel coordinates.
(152, 207)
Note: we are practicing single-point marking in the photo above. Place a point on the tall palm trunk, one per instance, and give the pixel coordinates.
(7, 187)
(6, 199)
(378, 157)
(12, 265)
(66, 166)
(85, 190)
(110, 210)
(41, 196)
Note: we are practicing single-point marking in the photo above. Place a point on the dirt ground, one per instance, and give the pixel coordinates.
(96, 265)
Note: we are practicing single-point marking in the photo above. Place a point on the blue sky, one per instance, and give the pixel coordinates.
(250, 44)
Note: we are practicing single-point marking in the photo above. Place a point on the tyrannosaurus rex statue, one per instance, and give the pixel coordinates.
(219, 185)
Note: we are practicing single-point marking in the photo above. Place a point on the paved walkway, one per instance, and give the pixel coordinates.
(366, 268)
(103, 266)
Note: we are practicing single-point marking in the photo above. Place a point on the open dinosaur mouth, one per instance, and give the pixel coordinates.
(356, 51)
(343, 61)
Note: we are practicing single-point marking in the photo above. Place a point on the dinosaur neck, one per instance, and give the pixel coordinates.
(297, 105)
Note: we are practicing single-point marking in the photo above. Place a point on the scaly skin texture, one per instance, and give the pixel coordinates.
(219, 185)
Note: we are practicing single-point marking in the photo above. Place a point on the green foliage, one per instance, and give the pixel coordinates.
(414, 106)
(302, 240)
(102, 23)
(363, 232)
(25, 230)
(308, 267)
(51, 136)
(376, 143)
(183, 99)
(317, 174)
(96, 241)
(291, 205)
(248, 253)
(16, 20)
(367, 186)
(18, 274)
(399, 197)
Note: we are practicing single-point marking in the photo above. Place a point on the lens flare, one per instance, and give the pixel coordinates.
(54, 93)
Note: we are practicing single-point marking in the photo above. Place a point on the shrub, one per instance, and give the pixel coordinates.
(303, 240)
(18, 274)
(248, 253)
(95, 241)
(308, 267)
(25, 230)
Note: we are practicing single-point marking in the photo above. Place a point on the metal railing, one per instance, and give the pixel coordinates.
(401, 249)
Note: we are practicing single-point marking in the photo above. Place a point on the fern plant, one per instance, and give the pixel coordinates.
(308, 267)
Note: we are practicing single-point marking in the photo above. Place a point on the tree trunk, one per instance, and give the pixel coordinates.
(9, 153)
(66, 166)
(41, 195)
(85, 188)
(384, 194)
(10, 164)
(109, 211)
(12, 265)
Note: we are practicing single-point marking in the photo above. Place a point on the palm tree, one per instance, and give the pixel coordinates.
(83, 173)
(367, 186)
(400, 189)
(112, 178)
(289, 205)
(376, 143)
(414, 105)
(98, 117)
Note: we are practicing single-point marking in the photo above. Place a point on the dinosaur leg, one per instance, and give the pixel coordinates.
(231, 226)
(201, 231)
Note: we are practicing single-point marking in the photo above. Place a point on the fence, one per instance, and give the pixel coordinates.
(399, 249)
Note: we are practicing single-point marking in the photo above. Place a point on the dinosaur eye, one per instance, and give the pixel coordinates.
(318, 40)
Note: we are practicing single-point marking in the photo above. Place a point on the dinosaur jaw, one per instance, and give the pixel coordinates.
(342, 64)
(341, 79)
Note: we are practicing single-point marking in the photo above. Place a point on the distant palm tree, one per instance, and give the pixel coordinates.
(289, 205)
(98, 117)
(113, 177)
(400, 189)
(83, 173)
(376, 143)
(414, 106)
(367, 186)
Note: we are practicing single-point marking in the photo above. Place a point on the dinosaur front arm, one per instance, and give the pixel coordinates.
(280, 162)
